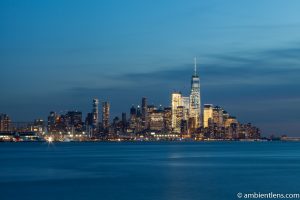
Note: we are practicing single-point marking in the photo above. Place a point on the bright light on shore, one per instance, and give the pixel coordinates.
(50, 139)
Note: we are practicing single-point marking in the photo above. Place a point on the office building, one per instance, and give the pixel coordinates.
(176, 102)
(195, 100)
(105, 115)
(207, 115)
(95, 112)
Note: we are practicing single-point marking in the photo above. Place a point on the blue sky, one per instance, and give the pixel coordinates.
(58, 55)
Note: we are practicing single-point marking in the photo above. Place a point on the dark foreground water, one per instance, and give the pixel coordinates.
(210, 170)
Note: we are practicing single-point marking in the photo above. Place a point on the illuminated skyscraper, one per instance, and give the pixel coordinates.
(133, 118)
(95, 112)
(218, 116)
(176, 102)
(230, 120)
(195, 100)
(207, 115)
(186, 107)
(105, 115)
(156, 120)
(179, 119)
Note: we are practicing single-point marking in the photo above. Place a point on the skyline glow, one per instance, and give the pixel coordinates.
(58, 55)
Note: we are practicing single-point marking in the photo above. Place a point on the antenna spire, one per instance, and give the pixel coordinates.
(195, 66)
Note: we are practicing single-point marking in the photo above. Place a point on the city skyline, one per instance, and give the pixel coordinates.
(249, 64)
(183, 119)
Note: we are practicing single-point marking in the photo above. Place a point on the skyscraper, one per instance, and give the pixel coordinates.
(207, 115)
(74, 119)
(156, 120)
(218, 116)
(195, 100)
(124, 121)
(138, 111)
(95, 112)
(105, 115)
(132, 118)
(51, 121)
(144, 113)
(168, 119)
(176, 102)
(179, 119)
(186, 105)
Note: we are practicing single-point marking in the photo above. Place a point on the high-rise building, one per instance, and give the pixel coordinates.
(105, 115)
(179, 119)
(138, 112)
(168, 119)
(230, 120)
(5, 122)
(225, 115)
(74, 119)
(156, 120)
(176, 102)
(89, 124)
(89, 119)
(144, 113)
(133, 118)
(186, 107)
(124, 118)
(52, 121)
(132, 112)
(218, 116)
(38, 126)
(124, 121)
(207, 115)
(95, 112)
(195, 100)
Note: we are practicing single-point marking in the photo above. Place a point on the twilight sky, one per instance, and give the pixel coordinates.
(58, 55)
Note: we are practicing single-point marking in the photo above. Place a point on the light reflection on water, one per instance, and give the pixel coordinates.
(211, 170)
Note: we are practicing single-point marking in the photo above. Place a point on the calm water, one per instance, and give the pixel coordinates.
(211, 170)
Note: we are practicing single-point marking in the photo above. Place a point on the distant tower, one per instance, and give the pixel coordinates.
(105, 115)
(195, 100)
(95, 112)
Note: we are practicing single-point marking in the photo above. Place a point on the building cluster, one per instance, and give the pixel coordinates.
(185, 118)
(218, 124)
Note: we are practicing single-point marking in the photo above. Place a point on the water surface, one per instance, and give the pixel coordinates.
(156, 171)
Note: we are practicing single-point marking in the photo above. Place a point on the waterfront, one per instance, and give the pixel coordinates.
(153, 170)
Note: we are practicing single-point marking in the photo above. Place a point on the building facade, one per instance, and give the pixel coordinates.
(105, 115)
(195, 101)
(207, 115)
(176, 103)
